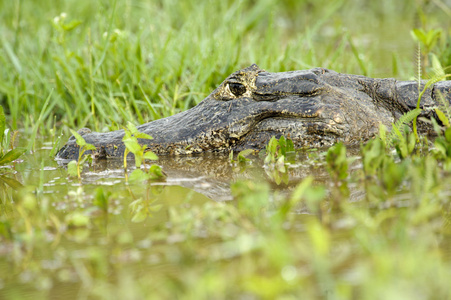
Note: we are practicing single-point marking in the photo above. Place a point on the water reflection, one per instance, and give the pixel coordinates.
(212, 173)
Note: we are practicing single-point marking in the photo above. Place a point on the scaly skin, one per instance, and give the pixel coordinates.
(315, 108)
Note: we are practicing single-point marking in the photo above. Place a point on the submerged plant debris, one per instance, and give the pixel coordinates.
(371, 222)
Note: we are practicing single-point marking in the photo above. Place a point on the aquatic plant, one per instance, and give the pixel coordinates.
(75, 167)
(132, 145)
(278, 150)
(141, 153)
(8, 152)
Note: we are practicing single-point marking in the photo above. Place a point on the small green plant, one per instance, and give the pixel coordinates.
(428, 84)
(309, 194)
(242, 159)
(141, 153)
(337, 165)
(101, 199)
(132, 145)
(406, 143)
(145, 207)
(56, 141)
(443, 110)
(442, 144)
(382, 176)
(252, 197)
(279, 149)
(7, 151)
(75, 167)
(399, 126)
(153, 173)
(141, 209)
(278, 153)
(62, 26)
(428, 40)
(373, 156)
(400, 137)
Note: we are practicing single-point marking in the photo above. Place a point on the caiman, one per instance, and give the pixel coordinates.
(314, 108)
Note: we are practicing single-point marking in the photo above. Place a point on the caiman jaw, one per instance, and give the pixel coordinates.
(262, 111)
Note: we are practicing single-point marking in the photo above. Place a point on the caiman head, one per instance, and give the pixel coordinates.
(314, 108)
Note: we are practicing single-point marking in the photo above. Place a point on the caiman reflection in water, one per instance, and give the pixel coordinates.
(212, 173)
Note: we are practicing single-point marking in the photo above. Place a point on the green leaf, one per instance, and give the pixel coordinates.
(142, 135)
(442, 117)
(127, 134)
(132, 128)
(437, 128)
(419, 35)
(243, 154)
(404, 120)
(290, 145)
(71, 25)
(448, 134)
(136, 205)
(79, 139)
(132, 145)
(231, 156)
(2, 125)
(300, 189)
(138, 175)
(138, 160)
(276, 176)
(55, 147)
(242, 159)
(155, 172)
(139, 216)
(135, 132)
(150, 155)
(90, 147)
(12, 155)
(77, 219)
(11, 182)
(397, 132)
(72, 168)
(437, 66)
(273, 145)
(280, 164)
(283, 145)
(155, 208)
(101, 199)
(5, 229)
(383, 133)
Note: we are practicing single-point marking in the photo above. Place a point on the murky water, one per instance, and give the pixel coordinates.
(70, 245)
(59, 263)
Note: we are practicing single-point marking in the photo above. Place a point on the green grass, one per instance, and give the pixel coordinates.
(378, 221)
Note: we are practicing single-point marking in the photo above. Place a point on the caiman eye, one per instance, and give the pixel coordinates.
(237, 88)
